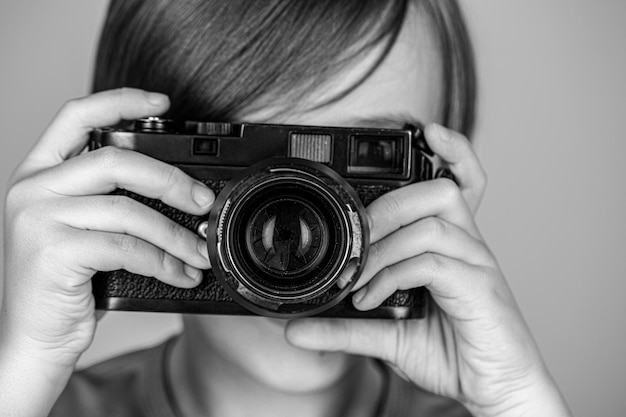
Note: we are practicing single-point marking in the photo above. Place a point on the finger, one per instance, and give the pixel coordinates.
(108, 168)
(458, 288)
(374, 338)
(403, 206)
(102, 251)
(67, 134)
(433, 235)
(121, 214)
(458, 153)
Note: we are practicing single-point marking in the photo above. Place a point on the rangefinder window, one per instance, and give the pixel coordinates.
(205, 146)
(315, 147)
(376, 154)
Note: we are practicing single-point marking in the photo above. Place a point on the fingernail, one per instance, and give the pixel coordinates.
(157, 99)
(192, 273)
(343, 281)
(346, 277)
(359, 296)
(202, 249)
(441, 132)
(202, 195)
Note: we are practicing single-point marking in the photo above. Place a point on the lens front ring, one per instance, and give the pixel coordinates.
(282, 233)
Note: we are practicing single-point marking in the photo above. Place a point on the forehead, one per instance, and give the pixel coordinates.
(406, 86)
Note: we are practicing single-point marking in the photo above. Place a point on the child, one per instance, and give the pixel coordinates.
(330, 63)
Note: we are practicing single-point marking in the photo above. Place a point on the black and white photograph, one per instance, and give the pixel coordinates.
(339, 208)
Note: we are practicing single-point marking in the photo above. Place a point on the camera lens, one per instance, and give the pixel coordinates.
(281, 235)
(286, 237)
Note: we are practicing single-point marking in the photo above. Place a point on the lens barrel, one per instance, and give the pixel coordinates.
(282, 233)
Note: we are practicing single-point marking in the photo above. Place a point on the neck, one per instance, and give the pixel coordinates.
(208, 380)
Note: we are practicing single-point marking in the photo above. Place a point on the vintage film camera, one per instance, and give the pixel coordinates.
(289, 217)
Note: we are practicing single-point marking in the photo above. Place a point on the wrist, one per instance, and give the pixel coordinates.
(535, 396)
(30, 384)
(46, 351)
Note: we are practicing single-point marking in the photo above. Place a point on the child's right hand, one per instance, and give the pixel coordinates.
(61, 226)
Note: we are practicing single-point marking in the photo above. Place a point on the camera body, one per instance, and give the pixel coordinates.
(287, 235)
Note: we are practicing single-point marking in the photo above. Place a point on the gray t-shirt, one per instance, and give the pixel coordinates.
(134, 385)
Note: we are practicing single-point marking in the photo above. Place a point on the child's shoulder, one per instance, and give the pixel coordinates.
(130, 385)
(134, 385)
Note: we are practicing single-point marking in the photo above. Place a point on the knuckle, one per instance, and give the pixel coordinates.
(433, 227)
(378, 251)
(386, 282)
(176, 232)
(70, 108)
(53, 250)
(163, 261)
(22, 218)
(170, 175)
(126, 243)
(28, 233)
(73, 111)
(448, 189)
(16, 195)
(384, 276)
(390, 204)
(120, 96)
(24, 214)
(122, 92)
(124, 206)
(169, 265)
(109, 157)
(60, 248)
(431, 263)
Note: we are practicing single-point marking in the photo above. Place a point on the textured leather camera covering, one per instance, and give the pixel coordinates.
(121, 290)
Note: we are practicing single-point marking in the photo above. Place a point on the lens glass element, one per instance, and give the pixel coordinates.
(289, 237)
(286, 237)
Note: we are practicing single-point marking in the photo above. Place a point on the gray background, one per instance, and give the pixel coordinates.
(550, 134)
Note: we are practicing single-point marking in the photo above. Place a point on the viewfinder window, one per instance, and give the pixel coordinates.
(376, 154)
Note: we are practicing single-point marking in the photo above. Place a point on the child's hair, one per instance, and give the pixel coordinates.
(218, 59)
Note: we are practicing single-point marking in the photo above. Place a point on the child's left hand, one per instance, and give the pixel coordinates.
(473, 345)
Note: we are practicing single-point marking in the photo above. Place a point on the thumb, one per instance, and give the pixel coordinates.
(457, 151)
(376, 338)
